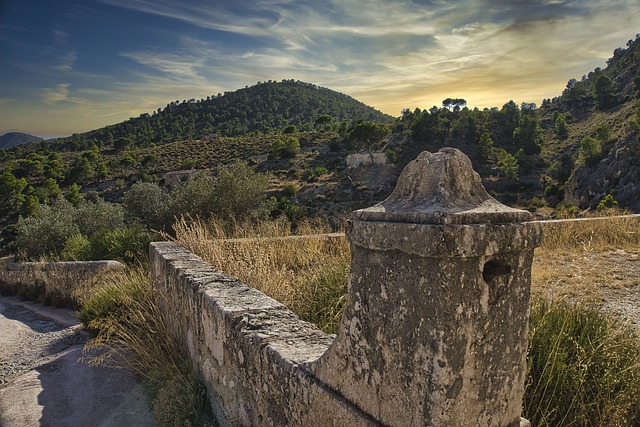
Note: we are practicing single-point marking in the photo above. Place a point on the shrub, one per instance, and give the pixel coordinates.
(285, 148)
(239, 192)
(76, 248)
(582, 368)
(45, 234)
(608, 202)
(590, 150)
(148, 203)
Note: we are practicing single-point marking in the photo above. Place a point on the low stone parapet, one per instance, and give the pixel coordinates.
(50, 282)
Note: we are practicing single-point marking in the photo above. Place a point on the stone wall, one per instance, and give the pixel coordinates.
(252, 352)
(434, 330)
(50, 282)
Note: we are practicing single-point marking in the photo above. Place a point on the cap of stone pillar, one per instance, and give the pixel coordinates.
(441, 188)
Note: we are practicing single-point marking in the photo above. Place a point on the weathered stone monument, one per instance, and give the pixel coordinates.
(434, 331)
(435, 328)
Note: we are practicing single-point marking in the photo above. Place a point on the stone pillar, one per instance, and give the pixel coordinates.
(435, 326)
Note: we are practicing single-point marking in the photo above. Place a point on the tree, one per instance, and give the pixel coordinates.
(454, 104)
(528, 135)
(239, 192)
(285, 148)
(485, 146)
(562, 131)
(323, 119)
(590, 150)
(574, 91)
(149, 203)
(11, 195)
(604, 90)
(73, 195)
(49, 191)
(369, 134)
(508, 164)
(510, 115)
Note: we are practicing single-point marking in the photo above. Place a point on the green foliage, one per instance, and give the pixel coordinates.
(126, 244)
(45, 233)
(239, 192)
(285, 148)
(454, 103)
(88, 231)
(260, 108)
(561, 169)
(582, 368)
(485, 147)
(368, 134)
(293, 211)
(574, 91)
(561, 128)
(528, 135)
(11, 196)
(604, 90)
(76, 248)
(149, 203)
(590, 150)
(73, 195)
(608, 202)
(290, 129)
(508, 164)
(510, 116)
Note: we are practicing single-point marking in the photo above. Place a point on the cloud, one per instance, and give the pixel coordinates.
(58, 94)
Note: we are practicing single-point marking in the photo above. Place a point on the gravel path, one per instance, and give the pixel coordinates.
(42, 383)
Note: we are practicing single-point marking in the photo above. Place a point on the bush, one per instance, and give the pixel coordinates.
(582, 368)
(45, 234)
(239, 193)
(285, 148)
(590, 150)
(127, 244)
(149, 203)
(607, 203)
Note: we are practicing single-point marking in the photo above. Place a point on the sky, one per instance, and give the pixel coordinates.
(75, 65)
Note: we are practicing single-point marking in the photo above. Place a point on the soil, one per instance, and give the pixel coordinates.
(43, 382)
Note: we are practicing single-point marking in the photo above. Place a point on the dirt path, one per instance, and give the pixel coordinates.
(42, 383)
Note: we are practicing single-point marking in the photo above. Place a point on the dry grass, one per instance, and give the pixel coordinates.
(308, 275)
(581, 258)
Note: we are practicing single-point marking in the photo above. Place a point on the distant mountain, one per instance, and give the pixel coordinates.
(260, 108)
(12, 139)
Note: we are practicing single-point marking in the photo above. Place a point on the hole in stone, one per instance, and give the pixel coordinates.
(494, 269)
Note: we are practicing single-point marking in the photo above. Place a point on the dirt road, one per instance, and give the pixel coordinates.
(42, 383)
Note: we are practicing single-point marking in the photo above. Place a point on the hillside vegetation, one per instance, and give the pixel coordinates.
(569, 154)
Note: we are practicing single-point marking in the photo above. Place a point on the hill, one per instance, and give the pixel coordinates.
(566, 155)
(11, 139)
(264, 107)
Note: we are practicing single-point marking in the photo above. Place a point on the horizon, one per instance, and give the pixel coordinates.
(79, 65)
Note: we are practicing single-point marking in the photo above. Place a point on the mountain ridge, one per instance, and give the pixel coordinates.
(12, 139)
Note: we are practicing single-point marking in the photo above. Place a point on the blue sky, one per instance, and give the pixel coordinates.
(75, 65)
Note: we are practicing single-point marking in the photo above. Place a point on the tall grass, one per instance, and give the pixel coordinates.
(121, 309)
(583, 368)
(593, 234)
(309, 275)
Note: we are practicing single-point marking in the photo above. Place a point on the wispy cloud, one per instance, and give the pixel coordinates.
(57, 94)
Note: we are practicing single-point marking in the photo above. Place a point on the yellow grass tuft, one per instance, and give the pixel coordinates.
(307, 274)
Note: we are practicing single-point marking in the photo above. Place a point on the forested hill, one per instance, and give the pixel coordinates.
(260, 108)
(12, 139)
